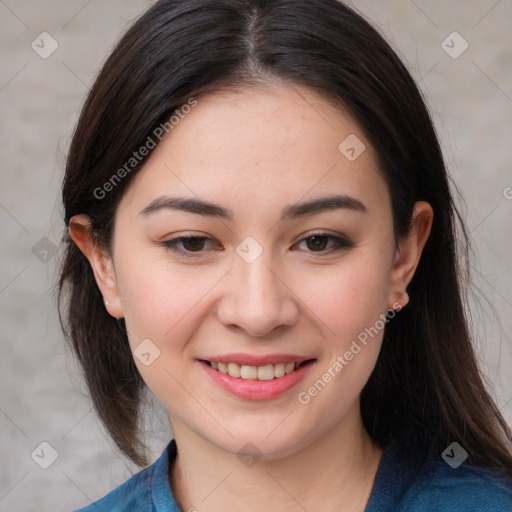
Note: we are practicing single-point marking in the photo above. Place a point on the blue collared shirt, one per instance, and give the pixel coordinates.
(401, 485)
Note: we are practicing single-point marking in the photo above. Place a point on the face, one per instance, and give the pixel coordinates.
(290, 259)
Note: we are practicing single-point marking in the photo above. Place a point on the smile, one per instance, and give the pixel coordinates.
(251, 382)
(247, 372)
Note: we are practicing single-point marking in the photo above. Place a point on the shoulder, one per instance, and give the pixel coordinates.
(146, 491)
(411, 480)
(439, 487)
(134, 494)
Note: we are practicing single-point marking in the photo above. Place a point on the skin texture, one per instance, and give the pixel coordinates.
(255, 152)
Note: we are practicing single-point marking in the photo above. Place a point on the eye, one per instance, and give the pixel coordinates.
(319, 241)
(192, 244)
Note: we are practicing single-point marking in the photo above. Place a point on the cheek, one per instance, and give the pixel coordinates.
(352, 307)
(159, 301)
(167, 306)
(348, 297)
(162, 308)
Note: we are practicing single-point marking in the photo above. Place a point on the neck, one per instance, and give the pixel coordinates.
(338, 467)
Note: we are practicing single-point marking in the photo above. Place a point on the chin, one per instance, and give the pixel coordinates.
(264, 444)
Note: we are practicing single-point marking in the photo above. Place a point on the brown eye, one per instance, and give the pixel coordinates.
(318, 242)
(193, 243)
(190, 245)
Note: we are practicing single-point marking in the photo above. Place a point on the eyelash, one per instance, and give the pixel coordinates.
(341, 242)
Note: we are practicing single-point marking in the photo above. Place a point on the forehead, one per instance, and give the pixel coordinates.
(260, 148)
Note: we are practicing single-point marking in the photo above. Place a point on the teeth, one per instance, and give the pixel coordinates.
(247, 372)
(279, 369)
(234, 370)
(267, 372)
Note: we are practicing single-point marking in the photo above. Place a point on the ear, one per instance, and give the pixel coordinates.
(100, 260)
(408, 253)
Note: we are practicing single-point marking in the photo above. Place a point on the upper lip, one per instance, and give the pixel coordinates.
(252, 360)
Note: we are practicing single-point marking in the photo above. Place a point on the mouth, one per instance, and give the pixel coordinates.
(249, 372)
(265, 381)
(256, 377)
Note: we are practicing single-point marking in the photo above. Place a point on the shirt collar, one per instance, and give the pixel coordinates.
(397, 471)
(161, 493)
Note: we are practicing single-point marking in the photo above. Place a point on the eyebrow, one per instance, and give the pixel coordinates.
(208, 209)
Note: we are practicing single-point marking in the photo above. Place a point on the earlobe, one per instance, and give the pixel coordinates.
(100, 261)
(409, 252)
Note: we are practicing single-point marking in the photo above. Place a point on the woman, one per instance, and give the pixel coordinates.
(261, 232)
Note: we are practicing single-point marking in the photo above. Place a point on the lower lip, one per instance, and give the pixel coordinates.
(257, 389)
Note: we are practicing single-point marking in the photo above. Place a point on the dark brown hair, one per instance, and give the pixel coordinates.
(426, 387)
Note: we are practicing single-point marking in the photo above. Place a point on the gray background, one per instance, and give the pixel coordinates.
(42, 397)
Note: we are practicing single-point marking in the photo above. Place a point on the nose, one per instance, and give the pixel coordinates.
(257, 298)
